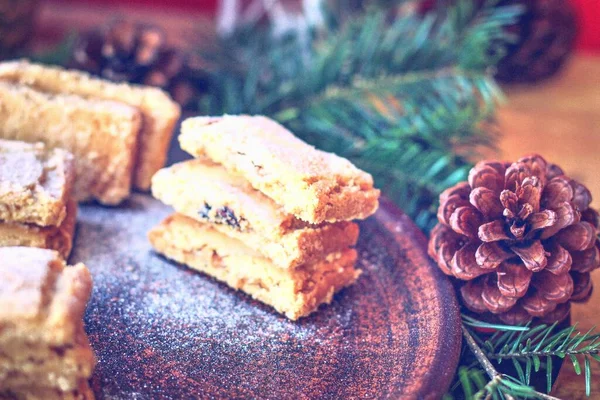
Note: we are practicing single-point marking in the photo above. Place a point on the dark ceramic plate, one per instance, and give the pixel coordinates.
(162, 331)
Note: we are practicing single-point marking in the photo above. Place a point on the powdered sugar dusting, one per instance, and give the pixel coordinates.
(161, 330)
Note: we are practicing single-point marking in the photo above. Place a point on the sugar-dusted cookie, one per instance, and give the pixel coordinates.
(101, 134)
(310, 184)
(207, 192)
(293, 292)
(44, 351)
(59, 238)
(159, 111)
(35, 183)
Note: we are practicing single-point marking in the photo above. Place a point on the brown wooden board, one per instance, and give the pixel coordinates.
(160, 330)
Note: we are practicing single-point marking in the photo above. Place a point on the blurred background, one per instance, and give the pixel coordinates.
(56, 15)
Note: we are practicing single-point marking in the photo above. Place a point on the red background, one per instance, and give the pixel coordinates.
(588, 12)
(589, 23)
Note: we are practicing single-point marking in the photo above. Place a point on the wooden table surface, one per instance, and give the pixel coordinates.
(559, 119)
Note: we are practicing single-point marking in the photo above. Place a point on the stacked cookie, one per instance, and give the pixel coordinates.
(44, 350)
(263, 212)
(118, 133)
(36, 206)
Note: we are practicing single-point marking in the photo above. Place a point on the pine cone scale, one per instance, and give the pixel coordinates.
(566, 216)
(582, 286)
(557, 192)
(544, 219)
(513, 280)
(471, 295)
(461, 190)
(494, 300)
(466, 221)
(590, 215)
(491, 255)
(516, 316)
(464, 265)
(560, 260)
(537, 305)
(449, 206)
(488, 177)
(559, 314)
(556, 288)
(533, 256)
(530, 193)
(510, 202)
(585, 261)
(582, 198)
(492, 232)
(486, 201)
(578, 237)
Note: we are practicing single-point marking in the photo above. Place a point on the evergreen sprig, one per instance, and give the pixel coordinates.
(530, 349)
(409, 98)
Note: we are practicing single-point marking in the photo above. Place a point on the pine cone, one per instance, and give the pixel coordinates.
(124, 51)
(546, 35)
(523, 237)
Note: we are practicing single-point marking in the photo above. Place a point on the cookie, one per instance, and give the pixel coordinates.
(160, 113)
(35, 183)
(294, 293)
(207, 192)
(44, 352)
(102, 135)
(310, 184)
(59, 238)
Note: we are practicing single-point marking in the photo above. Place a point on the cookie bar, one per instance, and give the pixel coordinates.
(293, 292)
(160, 112)
(207, 192)
(59, 238)
(44, 352)
(35, 183)
(40, 363)
(313, 185)
(102, 135)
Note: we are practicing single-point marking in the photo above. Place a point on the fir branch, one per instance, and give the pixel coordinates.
(530, 349)
(495, 376)
(503, 385)
(541, 344)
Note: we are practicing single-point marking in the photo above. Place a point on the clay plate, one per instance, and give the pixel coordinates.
(162, 331)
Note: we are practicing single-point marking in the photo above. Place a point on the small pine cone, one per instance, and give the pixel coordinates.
(522, 236)
(546, 34)
(123, 51)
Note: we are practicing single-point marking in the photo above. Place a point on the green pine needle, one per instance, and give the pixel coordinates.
(472, 322)
(548, 374)
(588, 376)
